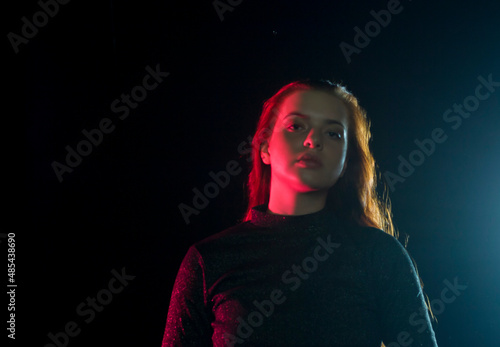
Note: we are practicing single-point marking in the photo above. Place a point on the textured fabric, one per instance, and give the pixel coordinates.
(305, 280)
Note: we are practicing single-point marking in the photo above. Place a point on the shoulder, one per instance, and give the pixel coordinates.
(380, 246)
(230, 236)
(217, 243)
(233, 231)
(374, 236)
(389, 259)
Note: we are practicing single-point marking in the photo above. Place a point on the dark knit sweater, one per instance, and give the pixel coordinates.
(306, 280)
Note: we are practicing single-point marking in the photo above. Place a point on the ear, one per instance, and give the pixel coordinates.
(264, 153)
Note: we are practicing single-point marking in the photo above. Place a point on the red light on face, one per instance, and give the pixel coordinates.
(309, 164)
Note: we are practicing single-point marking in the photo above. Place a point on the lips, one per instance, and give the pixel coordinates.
(310, 160)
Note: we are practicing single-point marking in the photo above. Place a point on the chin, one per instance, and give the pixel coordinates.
(315, 183)
(310, 186)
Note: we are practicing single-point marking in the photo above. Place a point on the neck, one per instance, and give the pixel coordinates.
(285, 201)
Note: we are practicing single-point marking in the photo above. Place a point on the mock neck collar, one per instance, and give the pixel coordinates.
(261, 218)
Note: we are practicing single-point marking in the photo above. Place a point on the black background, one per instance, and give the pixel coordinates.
(119, 207)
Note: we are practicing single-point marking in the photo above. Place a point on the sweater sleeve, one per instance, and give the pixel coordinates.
(188, 322)
(404, 316)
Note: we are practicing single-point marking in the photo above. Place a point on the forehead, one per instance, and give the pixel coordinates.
(315, 104)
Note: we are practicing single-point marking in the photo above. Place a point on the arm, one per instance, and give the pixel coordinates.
(188, 322)
(404, 316)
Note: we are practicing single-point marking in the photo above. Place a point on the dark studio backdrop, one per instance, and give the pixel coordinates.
(110, 236)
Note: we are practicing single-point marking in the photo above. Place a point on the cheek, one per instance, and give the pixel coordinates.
(338, 155)
(282, 147)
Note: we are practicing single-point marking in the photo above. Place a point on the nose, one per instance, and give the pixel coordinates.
(313, 140)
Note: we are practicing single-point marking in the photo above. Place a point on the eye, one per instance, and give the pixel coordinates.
(294, 127)
(334, 134)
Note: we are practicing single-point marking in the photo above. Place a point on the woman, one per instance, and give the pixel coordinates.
(315, 261)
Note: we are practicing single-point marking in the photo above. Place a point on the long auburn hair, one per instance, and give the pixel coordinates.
(354, 196)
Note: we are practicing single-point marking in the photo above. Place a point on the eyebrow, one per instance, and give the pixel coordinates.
(327, 121)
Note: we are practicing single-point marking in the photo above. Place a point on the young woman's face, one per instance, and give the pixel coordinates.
(308, 122)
